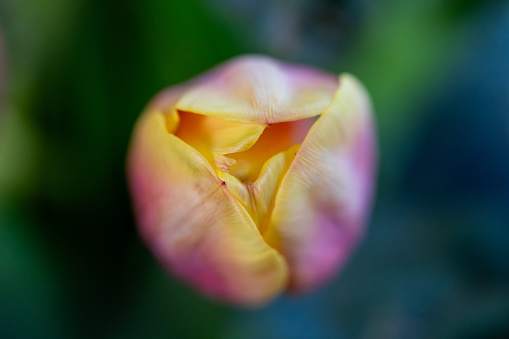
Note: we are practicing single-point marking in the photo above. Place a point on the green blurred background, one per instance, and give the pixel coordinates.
(76, 74)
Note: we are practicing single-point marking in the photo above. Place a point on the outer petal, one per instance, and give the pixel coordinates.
(193, 224)
(260, 90)
(324, 198)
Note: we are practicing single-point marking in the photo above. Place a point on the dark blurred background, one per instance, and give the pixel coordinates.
(76, 74)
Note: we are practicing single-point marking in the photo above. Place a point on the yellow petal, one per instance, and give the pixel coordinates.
(214, 137)
(276, 138)
(260, 90)
(324, 198)
(258, 197)
(193, 224)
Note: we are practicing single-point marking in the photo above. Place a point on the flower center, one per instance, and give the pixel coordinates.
(250, 158)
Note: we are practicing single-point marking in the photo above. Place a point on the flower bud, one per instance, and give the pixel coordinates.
(254, 178)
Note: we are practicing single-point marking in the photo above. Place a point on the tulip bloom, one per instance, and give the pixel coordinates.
(254, 178)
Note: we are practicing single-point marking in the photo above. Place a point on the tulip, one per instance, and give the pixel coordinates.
(254, 178)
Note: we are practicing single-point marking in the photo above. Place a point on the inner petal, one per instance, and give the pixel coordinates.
(214, 137)
(276, 138)
(250, 158)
